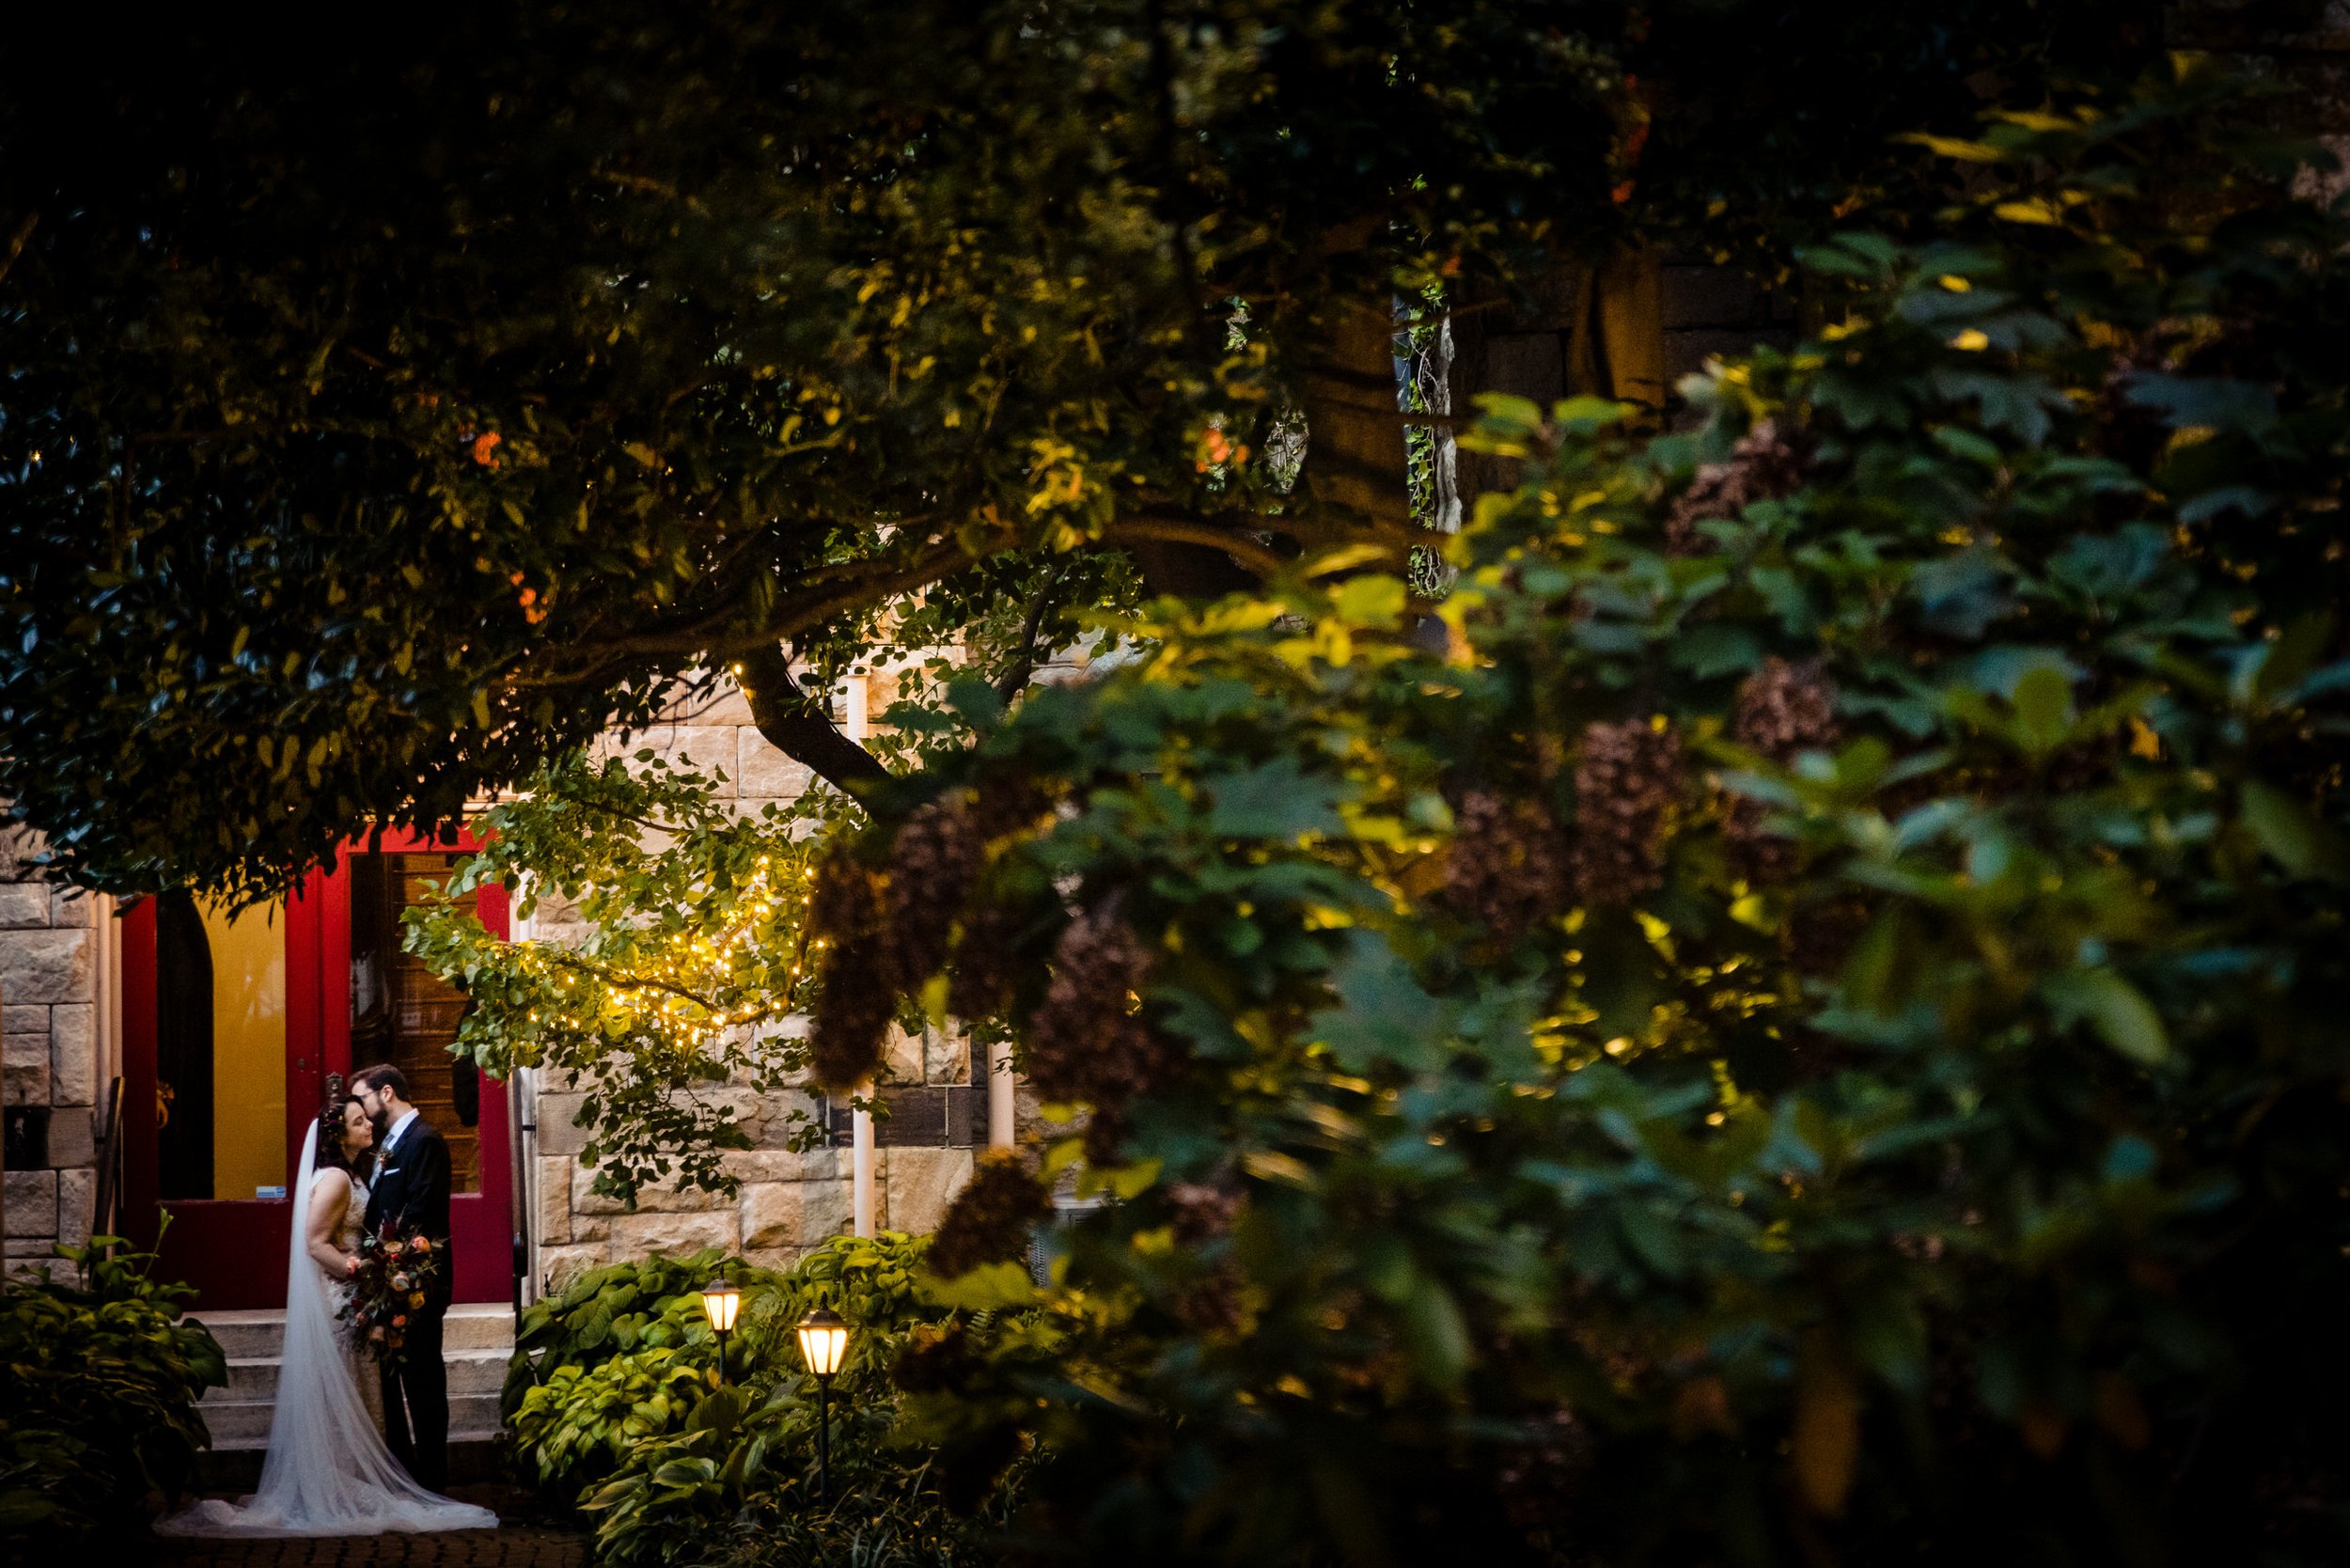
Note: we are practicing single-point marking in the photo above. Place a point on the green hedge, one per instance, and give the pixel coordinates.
(99, 1382)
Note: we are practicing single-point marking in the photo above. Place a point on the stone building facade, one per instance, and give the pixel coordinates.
(55, 1024)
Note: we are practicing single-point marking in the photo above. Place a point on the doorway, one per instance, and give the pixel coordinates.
(231, 1023)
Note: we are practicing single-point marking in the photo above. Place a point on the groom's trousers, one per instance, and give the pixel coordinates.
(416, 1404)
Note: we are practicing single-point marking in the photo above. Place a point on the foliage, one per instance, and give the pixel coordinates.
(692, 958)
(1806, 1032)
(98, 1399)
(894, 1518)
(380, 426)
(613, 1398)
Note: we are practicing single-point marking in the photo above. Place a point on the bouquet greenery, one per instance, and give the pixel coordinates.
(395, 1268)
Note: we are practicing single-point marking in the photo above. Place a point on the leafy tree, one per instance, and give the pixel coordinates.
(1807, 1033)
(694, 956)
(382, 423)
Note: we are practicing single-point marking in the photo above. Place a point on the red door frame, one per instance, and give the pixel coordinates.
(233, 1250)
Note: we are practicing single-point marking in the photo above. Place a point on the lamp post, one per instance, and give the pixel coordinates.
(720, 1302)
(824, 1343)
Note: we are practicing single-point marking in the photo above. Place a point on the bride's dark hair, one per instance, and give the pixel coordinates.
(331, 1155)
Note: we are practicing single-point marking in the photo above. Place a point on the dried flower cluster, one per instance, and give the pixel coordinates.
(980, 986)
(1820, 933)
(1203, 1210)
(993, 1218)
(1626, 783)
(1782, 710)
(933, 1359)
(1507, 865)
(1764, 465)
(1084, 1043)
(855, 993)
(931, 865)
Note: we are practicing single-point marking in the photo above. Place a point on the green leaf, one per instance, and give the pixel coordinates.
(2289, 835)
(2113, 1007)
(2043, 709)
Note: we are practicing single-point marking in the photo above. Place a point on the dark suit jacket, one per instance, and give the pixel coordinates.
(411, 1192)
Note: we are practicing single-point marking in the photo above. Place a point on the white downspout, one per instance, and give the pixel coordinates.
(857, 725)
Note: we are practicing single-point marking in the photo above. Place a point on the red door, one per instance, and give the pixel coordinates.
(294, 972)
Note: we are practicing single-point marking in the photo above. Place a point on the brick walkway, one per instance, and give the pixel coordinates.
(521, 1544)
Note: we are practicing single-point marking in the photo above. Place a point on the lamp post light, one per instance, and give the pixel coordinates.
(824, 1343)
(720, 1302)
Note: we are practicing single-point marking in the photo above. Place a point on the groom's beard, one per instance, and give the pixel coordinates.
(382, 1122)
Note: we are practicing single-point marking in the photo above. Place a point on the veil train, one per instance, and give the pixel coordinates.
(327, 1472)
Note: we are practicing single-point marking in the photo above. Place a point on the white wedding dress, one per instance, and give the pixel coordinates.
(328, 1472)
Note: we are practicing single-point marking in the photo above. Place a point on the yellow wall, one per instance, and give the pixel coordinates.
(248, 1049)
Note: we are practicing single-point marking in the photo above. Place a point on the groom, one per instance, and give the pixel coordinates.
(411, 1193)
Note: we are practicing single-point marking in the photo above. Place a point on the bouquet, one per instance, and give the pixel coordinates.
(394, 1269)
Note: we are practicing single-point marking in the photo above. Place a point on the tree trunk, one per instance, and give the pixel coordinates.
(1355, 456)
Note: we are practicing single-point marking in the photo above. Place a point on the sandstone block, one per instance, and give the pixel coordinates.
(73, 1054)
(777, 1126)
(554, 1201)
(707, 749)
(72, 1146)
(725, 706)
(650, 1200)
(23, 906)
(32, 1202)
(73, 906)
(19, 848)
(902, 1055)
(639, 1236)
(763, 771)
(45, 966)
(767, 1164)
(946, 1056)
(771, 1214)
(25, 1072)
(559, 1265)
(921, 1183)
(77, 1191)
(23, 1020)
(557, 1135)
(826, 1209)
(780, 1259)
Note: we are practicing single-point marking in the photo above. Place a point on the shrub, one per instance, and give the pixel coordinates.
(1808, 1031)
(616, 1402)
(98, 1395)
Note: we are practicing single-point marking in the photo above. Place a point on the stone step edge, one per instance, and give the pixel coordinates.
(241, 1445)
(460, 1353)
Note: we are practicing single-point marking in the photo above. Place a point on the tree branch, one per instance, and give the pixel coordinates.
(1022, 666)
(796, 723)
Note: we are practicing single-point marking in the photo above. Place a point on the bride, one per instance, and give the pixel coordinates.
(327, 1472)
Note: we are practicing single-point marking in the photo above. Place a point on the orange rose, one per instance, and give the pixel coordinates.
(399, 1320)
(424, 1243)
(484, 447)
(416, 1300)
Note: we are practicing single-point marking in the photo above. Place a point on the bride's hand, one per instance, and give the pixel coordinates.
(351, 1265)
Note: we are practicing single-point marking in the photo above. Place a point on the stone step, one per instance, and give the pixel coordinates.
(259, 1334)
(470, 1371)
(244, 1424)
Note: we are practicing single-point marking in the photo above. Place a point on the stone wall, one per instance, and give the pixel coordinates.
(53, 948)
